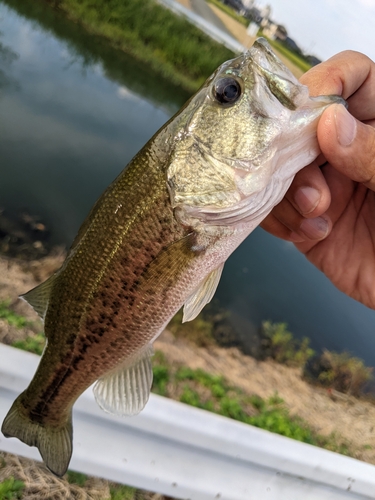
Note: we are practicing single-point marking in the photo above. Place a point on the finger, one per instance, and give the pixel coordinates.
(309, 193)
(362, 102)
(273, 226)
(286, 223)
(348, 145)
(350, 74)
(342, 74)
(301, 228)
(308, 196)
(342, 189)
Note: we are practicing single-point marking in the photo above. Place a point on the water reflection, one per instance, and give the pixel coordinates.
(70, 130)
(7, 56)
(89, 51)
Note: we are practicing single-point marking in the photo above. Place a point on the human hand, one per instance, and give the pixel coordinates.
(329, 212)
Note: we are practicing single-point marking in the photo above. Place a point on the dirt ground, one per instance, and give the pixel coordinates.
(350, 419)
(325, 411)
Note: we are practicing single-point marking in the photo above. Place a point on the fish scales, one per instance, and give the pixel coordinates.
(158, 238)
(112, 297)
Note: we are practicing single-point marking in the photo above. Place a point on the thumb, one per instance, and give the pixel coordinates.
(348, 144)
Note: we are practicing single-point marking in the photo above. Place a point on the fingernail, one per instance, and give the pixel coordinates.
(346, 126)
(306, 199)
(315, 229)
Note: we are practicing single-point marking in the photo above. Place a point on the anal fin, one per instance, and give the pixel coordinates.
(125, 390)
(202, 295)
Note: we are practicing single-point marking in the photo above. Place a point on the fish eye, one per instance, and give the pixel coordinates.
(227, 90)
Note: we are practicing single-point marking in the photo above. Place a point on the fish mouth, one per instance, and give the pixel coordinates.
(268, 69)
(264, 59)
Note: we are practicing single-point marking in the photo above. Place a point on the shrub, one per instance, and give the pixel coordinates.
(340, 371)
(279, 344)
(199, 330)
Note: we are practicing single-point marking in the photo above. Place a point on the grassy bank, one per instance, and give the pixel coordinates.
(151, 33)
(213, 393)
(293, 57)
(228, 10)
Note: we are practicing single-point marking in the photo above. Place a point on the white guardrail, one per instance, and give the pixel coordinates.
(183, 452)
(211, 30)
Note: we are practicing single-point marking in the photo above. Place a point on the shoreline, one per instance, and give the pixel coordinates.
(187, 65)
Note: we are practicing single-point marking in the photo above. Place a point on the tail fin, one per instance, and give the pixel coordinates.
(54, 443)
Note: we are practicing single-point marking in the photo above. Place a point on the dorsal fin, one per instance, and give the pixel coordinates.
(202, 295)
(38, 297)
(125, 390)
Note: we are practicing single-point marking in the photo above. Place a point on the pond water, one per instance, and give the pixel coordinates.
(73, 112)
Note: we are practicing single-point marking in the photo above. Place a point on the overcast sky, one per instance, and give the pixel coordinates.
(325, 27)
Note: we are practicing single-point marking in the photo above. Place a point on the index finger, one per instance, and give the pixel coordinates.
(350, 74)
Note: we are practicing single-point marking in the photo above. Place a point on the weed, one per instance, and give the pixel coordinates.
(279, 344)
(161, 379)
(76, 478)
(119, 492)
(33, 343)
(11, 317)
(339, 371)
(213, 393)
(199, 330)
(11, 489)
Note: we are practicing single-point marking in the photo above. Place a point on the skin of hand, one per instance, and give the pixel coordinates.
(329, 210)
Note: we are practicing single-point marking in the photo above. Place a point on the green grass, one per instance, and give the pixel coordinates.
(117, 491)
(33, 343)
(213, 393)
(120, 492)
(11, 489)
(76, 478)
(279, 344)
(199, 330)
(228, 10)
(153, 34)
(294, 58)
(11, 317)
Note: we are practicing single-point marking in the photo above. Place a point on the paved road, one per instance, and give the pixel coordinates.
(201, 8)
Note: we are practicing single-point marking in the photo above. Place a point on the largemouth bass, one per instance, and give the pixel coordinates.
(157, 240)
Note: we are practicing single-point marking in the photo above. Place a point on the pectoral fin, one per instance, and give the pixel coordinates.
(125, 391)
(202, 295)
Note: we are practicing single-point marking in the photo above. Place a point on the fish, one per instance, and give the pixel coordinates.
(157, 239)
